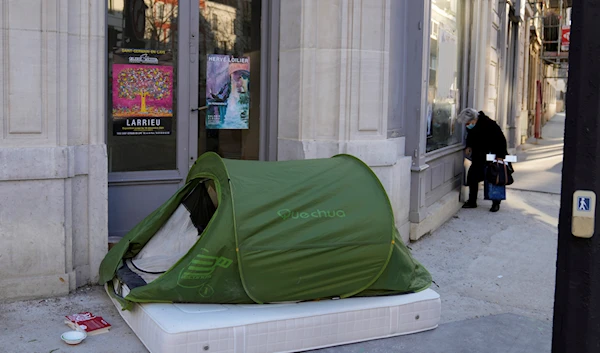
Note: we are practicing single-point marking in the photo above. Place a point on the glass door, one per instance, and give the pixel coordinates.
(229, 84)
(147, 106)
(184, 77)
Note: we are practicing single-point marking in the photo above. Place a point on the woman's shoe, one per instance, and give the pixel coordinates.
(470, 204)
(495, 208)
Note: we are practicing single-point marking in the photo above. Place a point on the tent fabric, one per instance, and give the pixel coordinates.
(280, 231)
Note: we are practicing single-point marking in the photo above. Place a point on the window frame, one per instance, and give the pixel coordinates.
(463, 22)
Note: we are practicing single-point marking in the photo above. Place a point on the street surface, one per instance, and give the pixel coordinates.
(494, 272)
(540, 162)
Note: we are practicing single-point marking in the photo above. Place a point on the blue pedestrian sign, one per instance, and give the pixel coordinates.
(583, 222)
(583, 203)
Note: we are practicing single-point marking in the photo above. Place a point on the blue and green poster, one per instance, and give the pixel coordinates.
(227, 92)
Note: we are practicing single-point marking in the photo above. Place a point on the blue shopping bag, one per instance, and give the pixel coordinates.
(494, 192)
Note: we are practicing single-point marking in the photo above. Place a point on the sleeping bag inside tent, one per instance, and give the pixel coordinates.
(262, 232)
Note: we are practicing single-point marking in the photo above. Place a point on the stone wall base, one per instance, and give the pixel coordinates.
(53, 219)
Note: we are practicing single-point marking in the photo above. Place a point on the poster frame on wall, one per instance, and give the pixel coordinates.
(142, 92)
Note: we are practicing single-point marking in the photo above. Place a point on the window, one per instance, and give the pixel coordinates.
(161, 10)
(143, 152)
(443, 94)
(111, 6)
(215, 22)
(231, 16)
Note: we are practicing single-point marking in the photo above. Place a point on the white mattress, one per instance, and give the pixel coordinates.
(270, 328)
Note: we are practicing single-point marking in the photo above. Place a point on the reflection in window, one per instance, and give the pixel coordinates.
(231, 27)
(142, 24)
(443, 95)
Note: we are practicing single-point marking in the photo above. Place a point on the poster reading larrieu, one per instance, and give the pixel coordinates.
(227, 92)
(142, 92)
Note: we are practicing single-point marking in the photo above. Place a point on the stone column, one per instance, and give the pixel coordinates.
(53, 161)
(334, 89)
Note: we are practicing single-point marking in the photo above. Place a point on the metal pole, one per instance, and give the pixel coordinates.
(540, 85)
(540, 77)
(577, 296)
(559, 31)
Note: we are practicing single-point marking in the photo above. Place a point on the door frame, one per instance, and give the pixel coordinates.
(269, 69)
(269, 79)
(176, 176)
(187, 99)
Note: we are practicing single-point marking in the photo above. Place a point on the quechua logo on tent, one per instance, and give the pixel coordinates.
(200, 269)
(291, 214)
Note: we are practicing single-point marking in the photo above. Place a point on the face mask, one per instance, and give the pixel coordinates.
(470, 126)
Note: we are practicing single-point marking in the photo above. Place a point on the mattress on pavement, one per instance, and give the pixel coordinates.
(286, 327)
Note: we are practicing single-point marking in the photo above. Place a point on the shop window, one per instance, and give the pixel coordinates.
(230, 124)
(443, 94)
(142, 97)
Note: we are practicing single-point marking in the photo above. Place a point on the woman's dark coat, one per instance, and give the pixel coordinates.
(486, 137)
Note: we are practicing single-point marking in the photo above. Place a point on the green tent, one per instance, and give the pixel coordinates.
(263, 232)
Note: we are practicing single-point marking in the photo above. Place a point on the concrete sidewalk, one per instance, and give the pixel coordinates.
(36, 325)
(539, 166)
(504, 333)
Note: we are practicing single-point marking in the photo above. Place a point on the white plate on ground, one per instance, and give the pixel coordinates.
(73, 337)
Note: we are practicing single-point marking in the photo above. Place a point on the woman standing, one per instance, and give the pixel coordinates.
(483, 136)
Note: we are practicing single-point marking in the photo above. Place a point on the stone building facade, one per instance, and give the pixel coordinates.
(381, 79)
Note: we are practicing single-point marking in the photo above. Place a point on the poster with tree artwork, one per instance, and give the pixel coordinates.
(142, 93)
